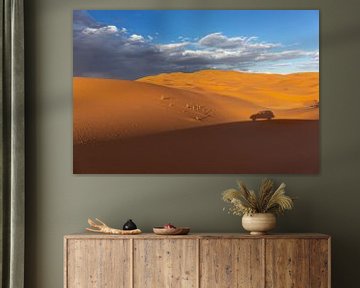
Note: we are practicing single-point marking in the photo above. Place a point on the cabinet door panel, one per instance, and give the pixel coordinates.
(165, 263)
(231, 263)
(319, 263)
(98, 264)
(287, 263)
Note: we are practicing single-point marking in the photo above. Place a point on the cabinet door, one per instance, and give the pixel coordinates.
(320, 263)
(231, 263)
(165, 263)
(287, 263)
(98, 263)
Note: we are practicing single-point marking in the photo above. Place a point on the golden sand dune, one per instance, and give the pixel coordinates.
(274, 91)
(196, 123)
(106, 109)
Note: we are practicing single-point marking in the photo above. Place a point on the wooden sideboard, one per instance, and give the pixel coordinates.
(197, 260)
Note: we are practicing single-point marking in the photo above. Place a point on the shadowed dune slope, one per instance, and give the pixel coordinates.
(279, 146)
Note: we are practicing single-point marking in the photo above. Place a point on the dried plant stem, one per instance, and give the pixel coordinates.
(268, 200)
(101, 227)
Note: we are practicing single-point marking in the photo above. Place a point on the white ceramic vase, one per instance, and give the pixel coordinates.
(259, 223)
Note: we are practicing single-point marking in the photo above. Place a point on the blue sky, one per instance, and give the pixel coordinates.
(270, 41)
(285, 26)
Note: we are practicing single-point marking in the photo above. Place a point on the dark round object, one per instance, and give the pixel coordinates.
(129, 225)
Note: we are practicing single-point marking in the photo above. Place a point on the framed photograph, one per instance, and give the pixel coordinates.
(196, 91)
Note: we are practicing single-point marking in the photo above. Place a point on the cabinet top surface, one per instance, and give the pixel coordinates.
(86, 235)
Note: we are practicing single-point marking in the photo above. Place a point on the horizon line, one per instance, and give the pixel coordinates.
(185, 72)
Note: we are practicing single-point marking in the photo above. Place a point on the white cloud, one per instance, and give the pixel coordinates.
(282, 55)
(109, 51)
(316, 56)
(218, 40)
(102, 30)
(173, 46)
(308, 65)
(184, 39)
(285, 64)
(136, 38)
(212, 54)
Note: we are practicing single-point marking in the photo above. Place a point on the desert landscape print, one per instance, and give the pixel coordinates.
(195, 91)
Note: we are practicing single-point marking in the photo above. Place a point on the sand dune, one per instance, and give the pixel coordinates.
(106, 109)
(196, 123)
(279, 146)
(273, 91)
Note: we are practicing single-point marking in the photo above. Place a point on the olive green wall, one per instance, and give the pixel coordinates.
(59, 202)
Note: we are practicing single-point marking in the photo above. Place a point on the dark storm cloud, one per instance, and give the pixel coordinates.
(106, 51)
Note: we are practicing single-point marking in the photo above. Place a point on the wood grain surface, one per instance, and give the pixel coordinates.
(287, 263)
(231, 263)
(319, 263)
(89, 235)
(98, 263)
(197, 260)
(165, 263)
